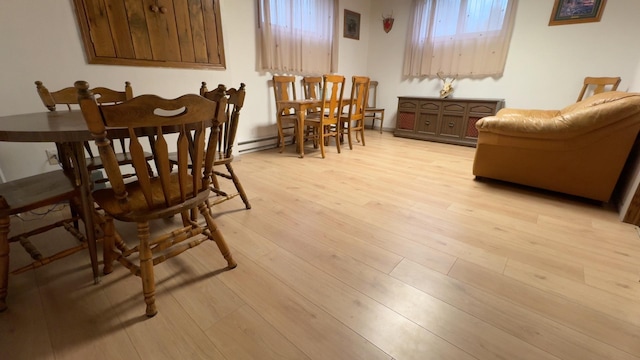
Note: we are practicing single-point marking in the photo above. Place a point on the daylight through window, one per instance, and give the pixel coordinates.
(459, 37)
(297, 36)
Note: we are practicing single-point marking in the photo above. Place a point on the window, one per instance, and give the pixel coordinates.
(459, 37)
(298, 36)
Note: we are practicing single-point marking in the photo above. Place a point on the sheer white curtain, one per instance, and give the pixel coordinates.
(298, 36)
(467, 38)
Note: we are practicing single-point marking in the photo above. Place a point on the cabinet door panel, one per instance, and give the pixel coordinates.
(163, 34)
(428, 123)
(408, 105)
(138, 29)
(406, 121)
(120, 29)
(454, 107)
(183, 26)
(196, 17)
(451, 125)
(96, 13)
(172, 33)
(213, 32)
(472, 131)
(482, 108)
(431, 106)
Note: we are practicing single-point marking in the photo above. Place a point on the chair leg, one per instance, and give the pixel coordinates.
(321, 140)
(146, 269)
(216, 236)
(4, 261)
(150, 169)
(108, 245)
(74, 214)
(381, 120)
(214, 181)
(361, 131)
(280, 135)
(349, 131)
(236, 182)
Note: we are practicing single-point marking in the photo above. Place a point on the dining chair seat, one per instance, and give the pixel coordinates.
(27, 194)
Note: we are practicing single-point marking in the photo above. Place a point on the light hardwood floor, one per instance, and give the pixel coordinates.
(389, 251)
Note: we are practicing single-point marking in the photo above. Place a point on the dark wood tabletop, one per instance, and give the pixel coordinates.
(45, 126)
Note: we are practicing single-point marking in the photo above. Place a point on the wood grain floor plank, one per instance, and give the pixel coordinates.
(245, 335)
(390, 250)
(589, 321)
(611, 304)
(303, 323)
(517, 320)
(403, 339)
(459, 328)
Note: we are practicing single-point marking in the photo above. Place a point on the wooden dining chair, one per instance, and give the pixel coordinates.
(21, 196)
(312, 87)
(372, 111)
(598, 84)
(325, 123)
(69, 97)
(226, 140)
(284, 88)
(155, 121)
(353, 120)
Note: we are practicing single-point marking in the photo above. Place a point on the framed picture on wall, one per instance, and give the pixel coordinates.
(351, 25)
(576, 11)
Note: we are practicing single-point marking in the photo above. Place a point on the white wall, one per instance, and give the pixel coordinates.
(545, 66)
(635, 82)
(41, 41)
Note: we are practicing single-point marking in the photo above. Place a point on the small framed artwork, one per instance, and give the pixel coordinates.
(351, 25)
(576, 11)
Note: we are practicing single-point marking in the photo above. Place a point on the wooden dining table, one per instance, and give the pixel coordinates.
(68, 130)
(301, 107)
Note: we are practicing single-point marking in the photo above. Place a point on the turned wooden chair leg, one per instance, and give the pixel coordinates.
(108, 245)
(239, 187)
(216, 236)
(280, 135)
(321, 141)
(146, 269)
(4, 261)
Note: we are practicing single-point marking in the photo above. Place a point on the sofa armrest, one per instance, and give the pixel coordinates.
(527, 113)
(599, 112)
(519, 122)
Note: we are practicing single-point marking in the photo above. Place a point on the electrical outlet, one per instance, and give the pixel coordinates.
(52, 157)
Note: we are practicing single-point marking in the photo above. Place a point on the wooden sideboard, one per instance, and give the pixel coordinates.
(450, 120)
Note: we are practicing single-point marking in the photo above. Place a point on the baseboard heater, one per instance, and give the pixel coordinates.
(261, 143)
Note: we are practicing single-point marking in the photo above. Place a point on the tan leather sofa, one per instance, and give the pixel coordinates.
(579, 150)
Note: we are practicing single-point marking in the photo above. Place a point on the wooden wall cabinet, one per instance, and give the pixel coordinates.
(445, 120)
(170, 33)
